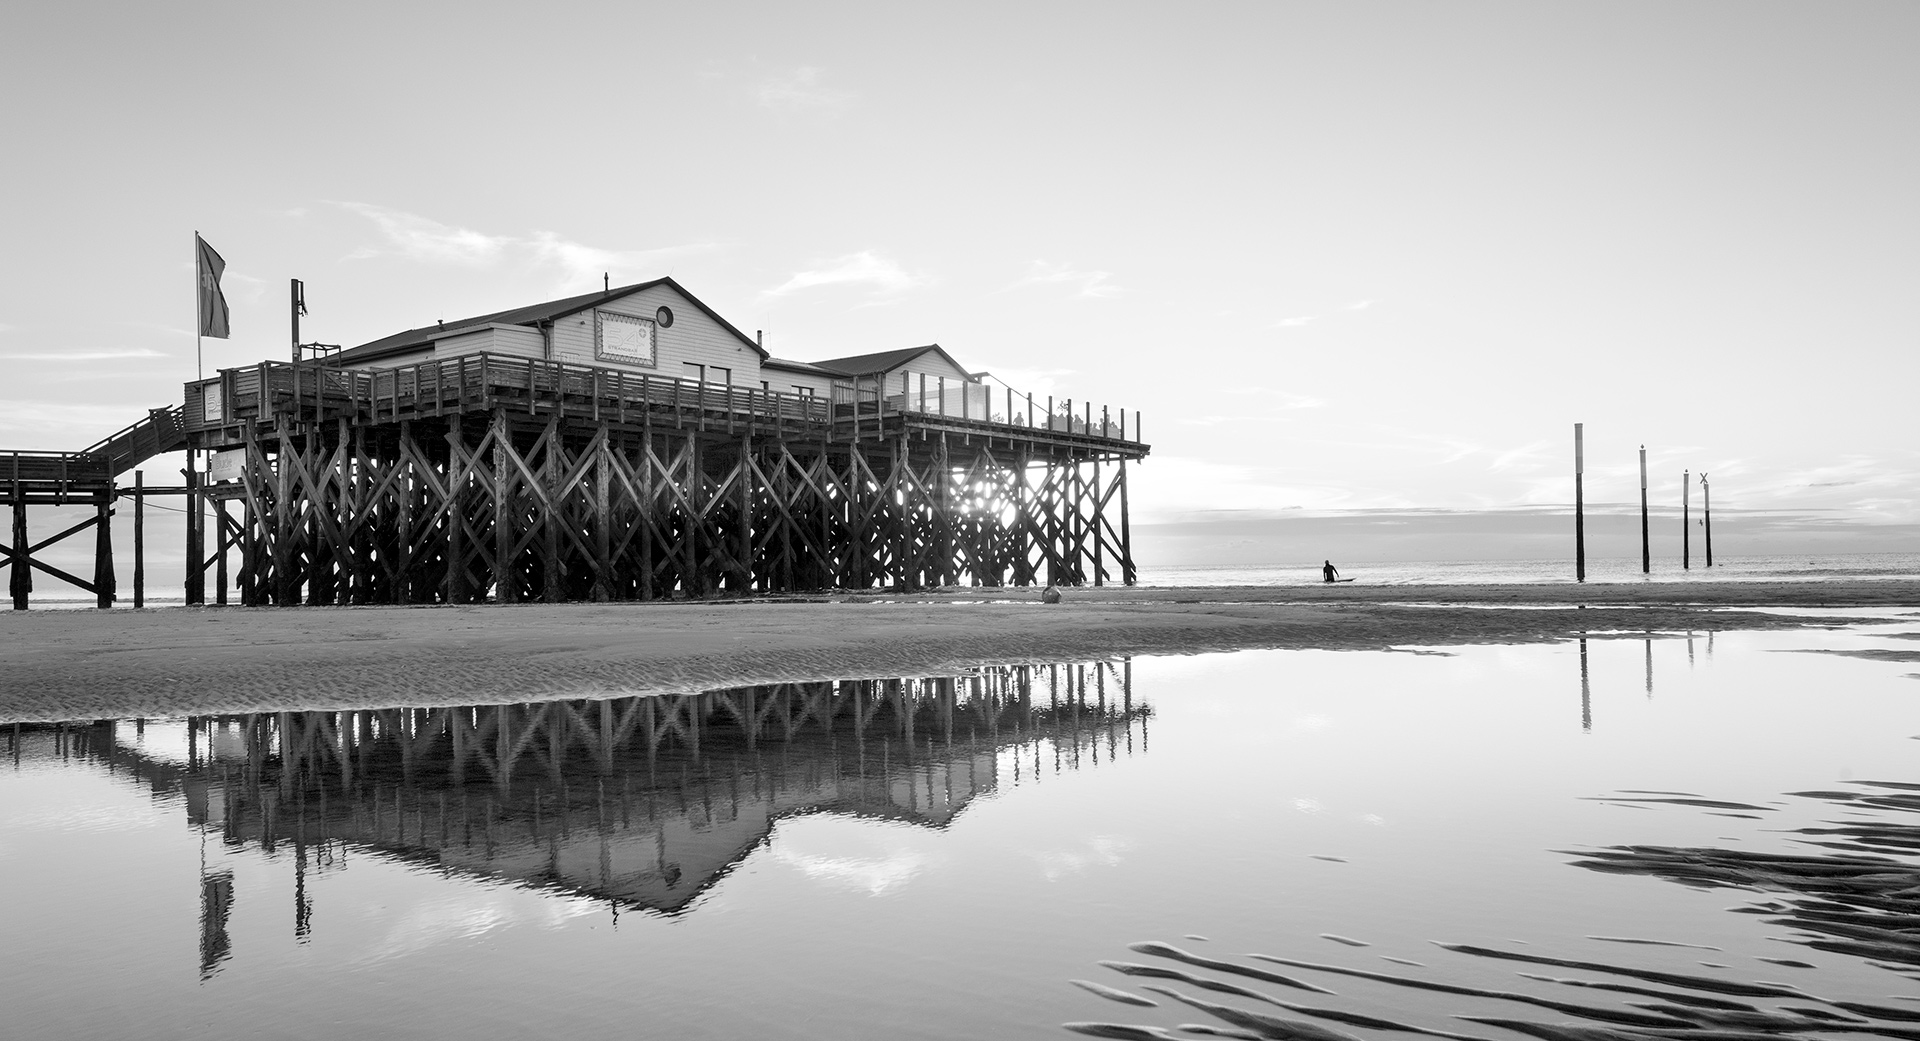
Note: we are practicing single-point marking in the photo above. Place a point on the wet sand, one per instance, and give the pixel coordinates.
(74, 664)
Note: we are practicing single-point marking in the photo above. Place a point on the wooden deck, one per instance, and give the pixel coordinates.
(218, 411)
(58, 478)
(52, 478)
(505, 477)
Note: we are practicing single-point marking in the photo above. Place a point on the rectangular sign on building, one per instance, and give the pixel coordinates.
(226, 466)
(215, 402)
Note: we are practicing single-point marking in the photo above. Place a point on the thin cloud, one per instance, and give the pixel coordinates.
(1360, 305)
(242, 286)
(1293, 323)
(1280, 399)
(802, 91)
(1038, 382)
(120, 354)
(160, 327)
(414, 237)
(1532, 454)
(34, 425)
(577, 262)
(5, 328)
(864, 268)
(1091, 284)
(422, 239)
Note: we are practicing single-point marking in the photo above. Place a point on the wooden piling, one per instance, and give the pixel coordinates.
(20, 579)
(221, 539)
(139, 539)
(196, 579)
(1646, 543)
(1706, 516)
(1579, 504)
(1686, 520)
(103, 585)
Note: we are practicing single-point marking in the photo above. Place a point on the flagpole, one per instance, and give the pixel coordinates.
(199, 366)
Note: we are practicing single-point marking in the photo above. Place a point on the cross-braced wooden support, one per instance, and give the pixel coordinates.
(18, 551)
(519, 507)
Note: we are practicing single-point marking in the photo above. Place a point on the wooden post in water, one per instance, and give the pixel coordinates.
(139, 539)
(1686, 521)
(1706, 515)
(1646, 546)
(1579, 503)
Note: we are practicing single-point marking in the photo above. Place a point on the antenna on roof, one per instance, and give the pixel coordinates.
(606, 281)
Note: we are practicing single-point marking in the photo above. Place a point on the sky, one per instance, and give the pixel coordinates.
(1360, 266)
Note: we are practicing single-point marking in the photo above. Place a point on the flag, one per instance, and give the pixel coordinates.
(213, 303)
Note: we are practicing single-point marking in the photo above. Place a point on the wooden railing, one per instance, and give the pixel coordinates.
(970, 400)
(94, 467)
(482, 381)
(127, 448)
(53, 469)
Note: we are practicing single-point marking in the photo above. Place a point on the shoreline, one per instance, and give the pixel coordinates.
(71, 664)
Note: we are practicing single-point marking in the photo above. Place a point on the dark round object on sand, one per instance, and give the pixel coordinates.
(1050, 595)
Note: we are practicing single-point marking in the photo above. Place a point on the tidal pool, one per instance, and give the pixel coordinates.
(1606, 831)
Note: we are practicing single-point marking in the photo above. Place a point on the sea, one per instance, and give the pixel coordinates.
(1807, 568)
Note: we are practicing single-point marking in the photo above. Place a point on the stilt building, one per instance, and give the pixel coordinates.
(629, 444)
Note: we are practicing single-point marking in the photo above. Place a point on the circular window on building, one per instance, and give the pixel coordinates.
(664, 316)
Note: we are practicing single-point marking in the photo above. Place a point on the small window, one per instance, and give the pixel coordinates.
(623, 338)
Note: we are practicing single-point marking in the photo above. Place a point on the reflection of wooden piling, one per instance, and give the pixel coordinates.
(1649, 643)
(216, 907)
(1586, 690)
(1579, 504)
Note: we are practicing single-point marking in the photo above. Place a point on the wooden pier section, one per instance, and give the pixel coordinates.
(86, 477)
(495, 476)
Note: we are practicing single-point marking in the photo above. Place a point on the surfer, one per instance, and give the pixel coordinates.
(1332, 573)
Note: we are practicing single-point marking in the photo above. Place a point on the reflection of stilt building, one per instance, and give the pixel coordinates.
(641, 801)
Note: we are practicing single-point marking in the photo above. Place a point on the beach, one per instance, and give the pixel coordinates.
(65, 665)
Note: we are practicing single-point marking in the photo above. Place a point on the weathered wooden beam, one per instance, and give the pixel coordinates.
(602, 517)
(139, 539)
(505, 584)
(196, 591)
(20, 578)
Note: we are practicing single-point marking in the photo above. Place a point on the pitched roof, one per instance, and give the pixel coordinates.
(532, 314)
(884, 361)
(797, 366)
